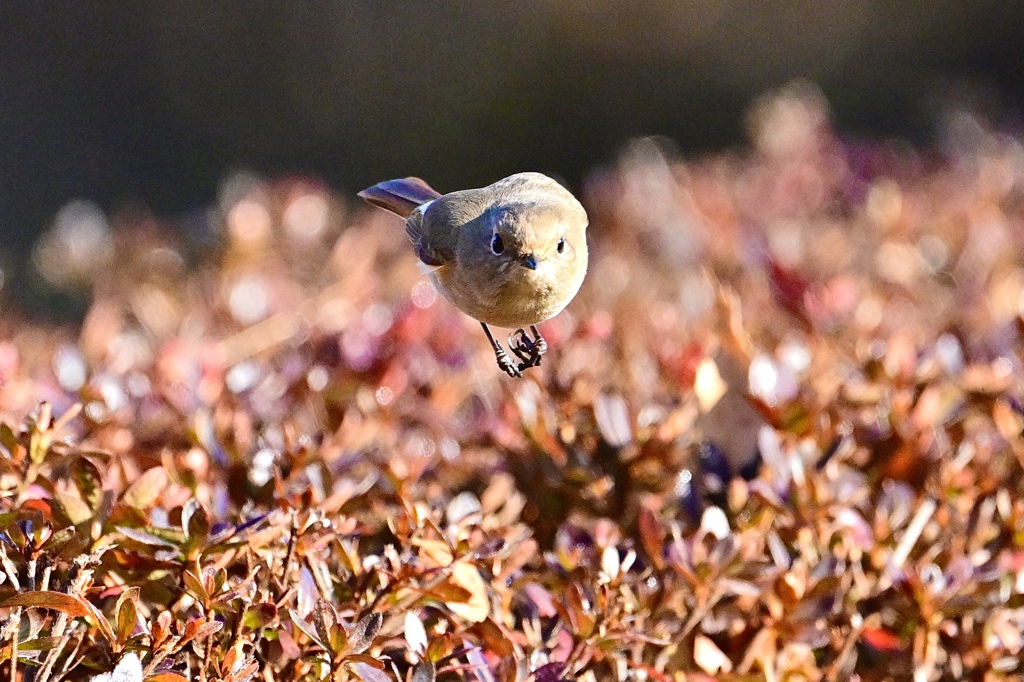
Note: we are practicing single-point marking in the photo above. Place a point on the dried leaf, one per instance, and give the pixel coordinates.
(425, 671)
(309, 630)
(363, 633)
(166, 677)
(325, 620)
(652, 536)
(709, 657)
(552, 672)
(126, 614)
(145, 538)
(477, 606)
(57, 601)
(368, 673)
(89, 482)
(415, 633)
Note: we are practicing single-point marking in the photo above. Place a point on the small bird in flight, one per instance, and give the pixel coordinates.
(511, 254)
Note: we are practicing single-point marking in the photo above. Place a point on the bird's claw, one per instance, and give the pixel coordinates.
(507, 366)
(529, 351)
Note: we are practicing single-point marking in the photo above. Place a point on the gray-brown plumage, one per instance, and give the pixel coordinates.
(511, 254)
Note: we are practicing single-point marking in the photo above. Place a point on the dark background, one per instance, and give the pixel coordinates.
(121, 101)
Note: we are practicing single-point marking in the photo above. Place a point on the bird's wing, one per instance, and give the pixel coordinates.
(435, 228)
(429, 253)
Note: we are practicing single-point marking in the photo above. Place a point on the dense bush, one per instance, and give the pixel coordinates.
(271, 452)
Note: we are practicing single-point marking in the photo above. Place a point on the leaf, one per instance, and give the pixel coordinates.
(55, 543)
(196, 524)
(652, 536)
(709, 657)
(244, 673)
(101, 622)
(477, 607)
(9, 440)
(161, 629)
(144, 537)
(415, 633)
(364, 658)
(365, 630)
(146, 489)
(425, 671)
(308, 629)
(198, 630)
(166, 677)
(127, 614)
(449, 592)
(325, 620)
(194, 585)
(368, 673)
(88, 480)
(40, 438)
(552, 672)
(57, 601)
(260, 615)
(493, 637)
(580, 616)
(73, 509)
(39, 644)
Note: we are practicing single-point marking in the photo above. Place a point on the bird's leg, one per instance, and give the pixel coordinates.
(539, 343)
(530, 351)
(504, 361)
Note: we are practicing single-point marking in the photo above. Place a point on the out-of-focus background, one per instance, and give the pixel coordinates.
(157, 103)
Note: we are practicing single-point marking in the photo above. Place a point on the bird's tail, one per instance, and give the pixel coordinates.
(401, 196)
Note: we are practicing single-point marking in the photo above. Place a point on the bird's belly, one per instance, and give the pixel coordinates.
(513, 303)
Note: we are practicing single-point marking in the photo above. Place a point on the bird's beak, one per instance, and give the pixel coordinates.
(529, 260)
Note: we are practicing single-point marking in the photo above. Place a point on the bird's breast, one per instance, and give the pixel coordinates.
(516, 297)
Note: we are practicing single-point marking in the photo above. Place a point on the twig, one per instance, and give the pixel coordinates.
(914, 530)
(70, 662)
(14, 625)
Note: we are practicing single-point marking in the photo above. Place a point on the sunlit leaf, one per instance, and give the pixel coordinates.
(144, 491)
(57, 601)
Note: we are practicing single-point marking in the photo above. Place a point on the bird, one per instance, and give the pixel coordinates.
(512, 254)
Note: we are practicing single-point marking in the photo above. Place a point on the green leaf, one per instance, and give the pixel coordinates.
(259, 616)
(194, 585)
(8, 439)
(40, 644)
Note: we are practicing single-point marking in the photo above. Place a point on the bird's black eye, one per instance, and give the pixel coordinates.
(561, 245)
(497, 245)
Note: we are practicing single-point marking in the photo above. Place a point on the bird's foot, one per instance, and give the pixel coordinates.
(529, 351)
(507, 365)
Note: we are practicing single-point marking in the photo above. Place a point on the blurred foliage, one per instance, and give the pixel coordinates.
(778, 435)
